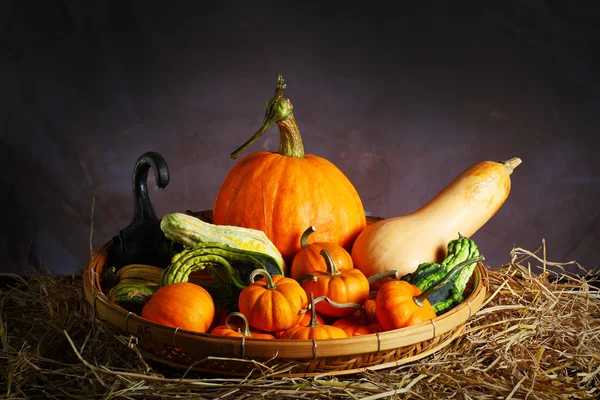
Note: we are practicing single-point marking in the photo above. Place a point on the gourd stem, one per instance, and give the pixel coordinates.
(512, 164)
(332, 303)
(420, 299)
(304, 238)
(331, 267)
(245, 330)
(382, 275)
(265, 273)
(279, 110)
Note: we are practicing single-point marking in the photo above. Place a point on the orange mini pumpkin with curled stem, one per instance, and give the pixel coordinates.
(362, 322)
(314, 330)
(273, 303)
(309, 259)
(346, 286)
(305, 321)
(235, 331)
(396, 307)
(281, 193)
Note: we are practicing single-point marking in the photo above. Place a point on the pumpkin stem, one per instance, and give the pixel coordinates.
(331, 267)
(304, 238)
(382, 275)
(279, 110)
(335, 304)
(512, 164)
(305, 277)
(420, 299)
(265, 273)
(313, 312)
(245, 330)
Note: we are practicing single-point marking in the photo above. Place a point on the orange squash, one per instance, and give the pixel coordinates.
(465, 205)
(273, 303)
(281, 193)
(309, 259)
(181, 305)
(347, 286)
(234, 331)
(314, 330)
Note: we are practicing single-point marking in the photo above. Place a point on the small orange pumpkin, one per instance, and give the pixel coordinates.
(396, 306)
(369, 307)
(359, 323)
(281, 193)
(273, 303)
(181, 305)
(244, 331)
(314, 330)
(347, 286)
(305, 321)
(309, 259)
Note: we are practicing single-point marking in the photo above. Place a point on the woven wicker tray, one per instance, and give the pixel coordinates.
(240, 356)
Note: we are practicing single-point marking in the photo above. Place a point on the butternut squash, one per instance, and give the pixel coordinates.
(465, 205)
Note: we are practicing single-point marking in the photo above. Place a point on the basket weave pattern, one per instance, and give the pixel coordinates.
(234, 356)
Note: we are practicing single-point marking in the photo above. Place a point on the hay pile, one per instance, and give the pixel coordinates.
(536, 337)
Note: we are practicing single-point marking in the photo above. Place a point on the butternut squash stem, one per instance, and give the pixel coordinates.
(263, 272)
(512, 164)
(331, 267)
(420, 299)
(304, 238)
(332, 303)
(279, 110)
(245, 330)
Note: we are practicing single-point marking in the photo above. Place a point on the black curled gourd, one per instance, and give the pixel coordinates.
(142, 241)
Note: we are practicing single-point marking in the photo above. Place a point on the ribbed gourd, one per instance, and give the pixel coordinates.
(191, 231)
(223, 262)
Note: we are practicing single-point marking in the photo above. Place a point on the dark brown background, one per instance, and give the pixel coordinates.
(402, 99)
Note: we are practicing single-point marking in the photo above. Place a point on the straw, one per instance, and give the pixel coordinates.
(537, 336)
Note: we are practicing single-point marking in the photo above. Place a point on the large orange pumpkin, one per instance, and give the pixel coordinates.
(181, 305)
(281, 193)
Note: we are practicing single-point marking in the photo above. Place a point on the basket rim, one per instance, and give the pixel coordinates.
(304, 350)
